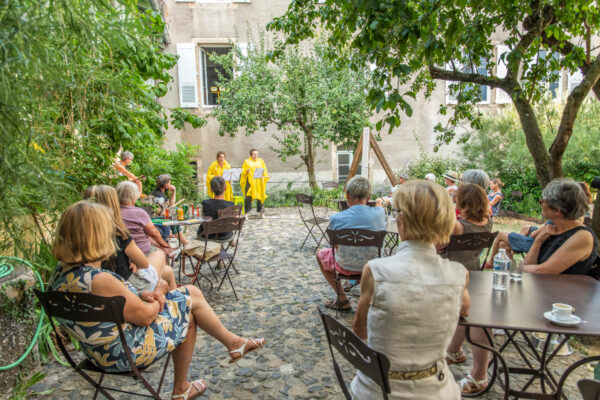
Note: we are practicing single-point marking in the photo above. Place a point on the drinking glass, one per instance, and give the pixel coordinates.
(516, 270)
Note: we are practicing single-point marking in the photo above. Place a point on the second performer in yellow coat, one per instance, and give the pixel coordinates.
(216, 169)
(254, 189)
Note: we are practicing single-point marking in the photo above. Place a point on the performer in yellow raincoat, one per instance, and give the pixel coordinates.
(216, 169)
(254, 189)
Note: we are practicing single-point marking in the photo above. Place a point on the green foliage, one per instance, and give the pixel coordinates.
(73, 90)
(436, 165)
(311, 101)
(415, 44)
(21, 391)
(286, 197)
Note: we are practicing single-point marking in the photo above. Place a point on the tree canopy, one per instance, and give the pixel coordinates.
(311, 101)
(78, 80)
(413, 44)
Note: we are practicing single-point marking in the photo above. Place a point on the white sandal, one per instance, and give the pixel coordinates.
(258, 343)
(185, 395)
(468, 384)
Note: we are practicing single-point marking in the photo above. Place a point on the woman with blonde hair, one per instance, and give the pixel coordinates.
(411, 301)
(129, 261)
(156, 322)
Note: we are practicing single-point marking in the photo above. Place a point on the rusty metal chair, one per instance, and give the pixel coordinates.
(311, 220)
(372, 363)
(86, 307)
(353, 238)
(590, 389)
(471, 242)
(214, 227)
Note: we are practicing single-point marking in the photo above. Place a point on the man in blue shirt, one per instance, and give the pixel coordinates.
(351, 260)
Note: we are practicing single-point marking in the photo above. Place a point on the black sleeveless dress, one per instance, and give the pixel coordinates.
(554, 242)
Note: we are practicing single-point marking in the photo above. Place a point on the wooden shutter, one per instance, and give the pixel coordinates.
(186, 70)
(501, 69)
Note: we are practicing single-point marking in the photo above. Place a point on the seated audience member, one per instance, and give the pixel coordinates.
(410, 302)
(211, 207)
(166, 191)
(350, 260)
(137, 221)
(564, 247)
(386, 201)
(476, 176)
(430, 177)
(121, 165)
(473, 205)
(495, 196)
(157, 321)
(514, 242)
(129, 262)
(450, 179)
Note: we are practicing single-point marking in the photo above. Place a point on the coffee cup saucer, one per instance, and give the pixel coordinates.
(574, 320)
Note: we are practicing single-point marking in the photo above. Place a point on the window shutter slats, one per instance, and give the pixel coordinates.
(186, 70)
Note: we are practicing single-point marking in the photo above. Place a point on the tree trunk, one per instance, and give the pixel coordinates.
(533, 137)
(310, 160)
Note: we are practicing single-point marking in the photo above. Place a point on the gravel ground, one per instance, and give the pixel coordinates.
(279, 288)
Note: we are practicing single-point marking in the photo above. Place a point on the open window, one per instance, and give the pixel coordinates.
(209, 73)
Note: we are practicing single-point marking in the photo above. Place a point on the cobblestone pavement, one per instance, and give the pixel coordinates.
(280, 287)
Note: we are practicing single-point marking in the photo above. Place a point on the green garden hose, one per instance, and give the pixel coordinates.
(5, 269)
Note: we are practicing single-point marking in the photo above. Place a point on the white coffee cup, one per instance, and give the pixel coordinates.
(562, 311)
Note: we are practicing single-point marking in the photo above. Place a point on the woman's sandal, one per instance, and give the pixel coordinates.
(333, 304)
(258, 343)
(186, 395)
(468, 384)
(457, 357)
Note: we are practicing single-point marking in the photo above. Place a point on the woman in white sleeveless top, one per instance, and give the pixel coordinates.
(410, 302)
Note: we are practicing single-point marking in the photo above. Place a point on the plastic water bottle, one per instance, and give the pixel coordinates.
(501, 270)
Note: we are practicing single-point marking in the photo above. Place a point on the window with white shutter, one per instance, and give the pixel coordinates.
(210, 70)
(501, 69)
(452, 89)
(186, 71)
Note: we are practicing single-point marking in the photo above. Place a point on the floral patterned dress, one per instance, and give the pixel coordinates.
(100, 340)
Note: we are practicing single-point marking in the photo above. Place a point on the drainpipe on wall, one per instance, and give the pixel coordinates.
(156, 7)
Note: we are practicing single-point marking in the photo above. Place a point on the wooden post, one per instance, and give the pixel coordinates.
(355, 160)
(383, 161)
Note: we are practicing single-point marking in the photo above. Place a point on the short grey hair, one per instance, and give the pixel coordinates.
(358, 188)
(477, 177)
(566, 196)
(126, 155)
(403, 175)
(217, 185)
(127, 192)
(162, 180)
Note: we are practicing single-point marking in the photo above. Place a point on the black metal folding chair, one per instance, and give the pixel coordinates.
(354, 238)
(590, 389)
(85, 307)
(372, 363)
(311, 221)
(214, 227)
(471, 242)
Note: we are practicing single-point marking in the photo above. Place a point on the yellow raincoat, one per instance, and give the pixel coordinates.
(216, 170)
(257, 187)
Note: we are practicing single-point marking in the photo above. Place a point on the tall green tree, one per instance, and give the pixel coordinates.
(420, 43)
(311, 101)
(78, 80)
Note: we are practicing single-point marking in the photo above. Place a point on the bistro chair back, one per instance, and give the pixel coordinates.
(86, 307)
(471, 242)
(311, 220)
(231, 211)
(354, 238)
(372, 363)
(590, 389)
(330, 185)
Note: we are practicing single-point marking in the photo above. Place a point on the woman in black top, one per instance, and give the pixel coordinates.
(567, 246)
(129, 261)
(211, 207)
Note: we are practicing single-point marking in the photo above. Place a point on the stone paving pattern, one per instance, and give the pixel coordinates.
(280, 287)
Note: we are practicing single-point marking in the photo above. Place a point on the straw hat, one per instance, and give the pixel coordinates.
(452, 175)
